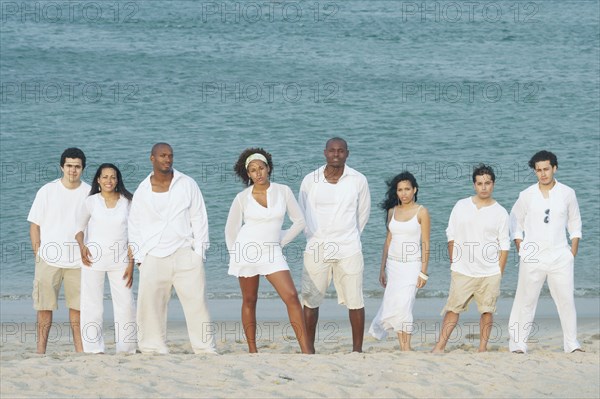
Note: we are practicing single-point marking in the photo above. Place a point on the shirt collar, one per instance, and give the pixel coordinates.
(348, 171)
(176, 175)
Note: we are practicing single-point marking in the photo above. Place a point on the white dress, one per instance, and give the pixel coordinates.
(253, 232)
(402, 267)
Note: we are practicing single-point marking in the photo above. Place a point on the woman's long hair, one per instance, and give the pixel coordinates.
(120, 185)
(391, 197)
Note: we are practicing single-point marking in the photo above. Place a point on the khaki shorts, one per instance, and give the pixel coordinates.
(463, 289)
(47, 282)
(347, 274)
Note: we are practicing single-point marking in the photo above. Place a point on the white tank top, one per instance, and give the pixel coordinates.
(406, 239)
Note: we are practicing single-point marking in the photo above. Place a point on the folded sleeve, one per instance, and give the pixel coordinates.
(84, 213)
(504, 232)
(574, 217)
(199, 220)
(517, 218)
(451, 229)
(295, 214)
(234, 222)
(364, 204)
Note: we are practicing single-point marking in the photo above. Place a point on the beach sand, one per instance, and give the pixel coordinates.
(280, 371)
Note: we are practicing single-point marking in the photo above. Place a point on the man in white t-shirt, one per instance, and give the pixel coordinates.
(336, 203)
(53, 225)
(478, 244)
(168, 232)
(538, 221)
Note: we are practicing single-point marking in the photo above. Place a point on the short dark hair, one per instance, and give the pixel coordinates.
(483, 169)
(336, 139)
(74, 153)
(541, 156)
(240, 166)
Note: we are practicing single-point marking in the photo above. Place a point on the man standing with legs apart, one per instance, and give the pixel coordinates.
(478, 244)
(168, 231)
(53, 224)
(336, 203)
(537, 223)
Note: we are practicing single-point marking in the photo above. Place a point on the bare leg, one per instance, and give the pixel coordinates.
(311, 316)
(357, 322)
(76, 329)
(283, 283)
(44, 322)
(249, 287)
(404, 339)
(485, 327)
(450, 321)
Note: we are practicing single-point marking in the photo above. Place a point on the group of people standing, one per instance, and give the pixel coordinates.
(163, 229)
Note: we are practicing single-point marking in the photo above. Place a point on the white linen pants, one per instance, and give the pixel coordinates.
(560, 282)
(92, 310)
(183, 270)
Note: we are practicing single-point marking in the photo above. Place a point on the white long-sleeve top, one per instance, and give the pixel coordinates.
(185, 216)
(106, 236)
(335, 213)
(253, 233)
(545, 241)
(478, 235)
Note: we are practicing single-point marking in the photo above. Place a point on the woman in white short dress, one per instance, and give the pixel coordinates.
(104, 252)
(254, 240)
(404, 260)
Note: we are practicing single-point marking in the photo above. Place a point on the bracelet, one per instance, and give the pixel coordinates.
(423, 276)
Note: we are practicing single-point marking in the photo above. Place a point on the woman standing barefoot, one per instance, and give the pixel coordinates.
(254, 239)
(104, 214)
(404, 260)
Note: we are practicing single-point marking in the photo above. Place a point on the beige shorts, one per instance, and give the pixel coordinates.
(47, 282)
(347, 274)
(463, 289)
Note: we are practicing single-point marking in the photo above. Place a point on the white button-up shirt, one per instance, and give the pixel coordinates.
(185, 216)
(336, 214)
(545, 241)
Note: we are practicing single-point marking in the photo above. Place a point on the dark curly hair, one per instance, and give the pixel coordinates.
(391, 197)
(240, 166)
(120, 185)
(542, 156)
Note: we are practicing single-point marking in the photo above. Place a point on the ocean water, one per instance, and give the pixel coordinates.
(432, 87)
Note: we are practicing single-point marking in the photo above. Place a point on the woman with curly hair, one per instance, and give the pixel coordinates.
(254, 239)
(404, 260)
(104, 252)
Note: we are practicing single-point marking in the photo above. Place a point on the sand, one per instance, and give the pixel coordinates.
(280, 371)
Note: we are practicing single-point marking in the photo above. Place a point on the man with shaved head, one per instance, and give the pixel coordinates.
(168, 233)
(336, 203)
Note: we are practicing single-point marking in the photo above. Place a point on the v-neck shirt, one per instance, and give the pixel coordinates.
(106, 235)
(479, 234)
